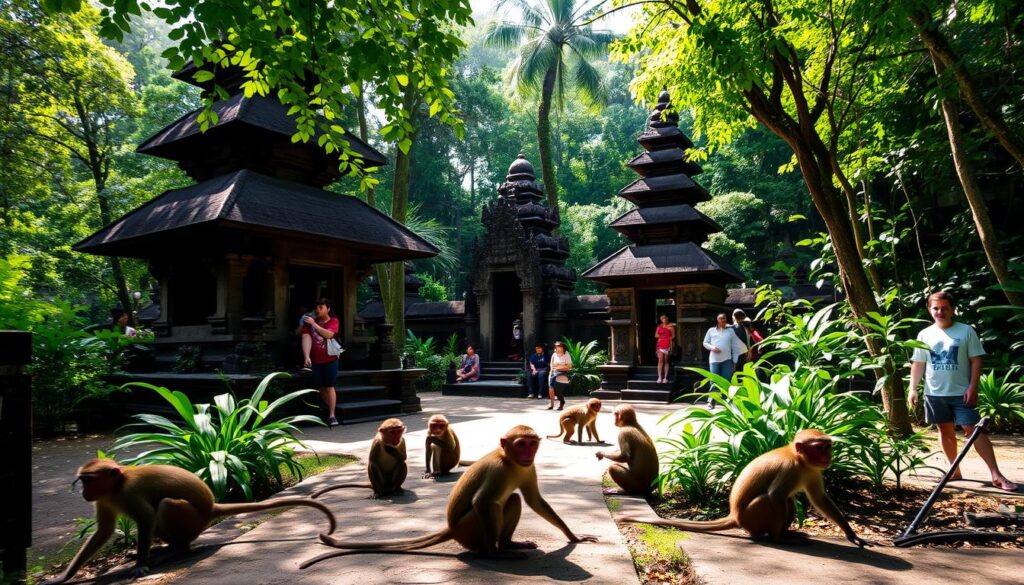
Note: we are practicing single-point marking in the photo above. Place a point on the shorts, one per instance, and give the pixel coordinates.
(324, 375)
(664, 350)
(946, 409)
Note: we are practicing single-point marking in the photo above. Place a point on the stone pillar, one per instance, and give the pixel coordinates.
(531, 321)
(16, 437)
(162, 326)
(486, 328)
(623, 326)
(696, 307)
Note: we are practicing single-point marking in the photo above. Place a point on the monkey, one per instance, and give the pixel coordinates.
(761, 500)
(386, 466)
(483, 510)
(581, 415)
(442, 447)
(166, 502)
(636, 461)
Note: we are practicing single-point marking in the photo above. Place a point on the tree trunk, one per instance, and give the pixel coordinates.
(965, 171)
(991, 119)
(544, 138)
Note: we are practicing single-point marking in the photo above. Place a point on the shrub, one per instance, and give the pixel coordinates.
(230, 445)
(424, 352)
(1001, 400)
(585, 360)
(188, 360)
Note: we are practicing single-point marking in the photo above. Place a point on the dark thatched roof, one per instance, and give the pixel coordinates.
(251, 202)
(648, 163)
(674, 188)
(678, 263)
(667, 214)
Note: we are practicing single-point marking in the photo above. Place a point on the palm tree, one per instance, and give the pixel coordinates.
(555, 43)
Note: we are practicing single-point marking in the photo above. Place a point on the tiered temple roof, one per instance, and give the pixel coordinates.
(666, 229)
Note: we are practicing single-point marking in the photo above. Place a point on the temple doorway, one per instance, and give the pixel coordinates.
(507, 305)
(306, 284)
(653, 304)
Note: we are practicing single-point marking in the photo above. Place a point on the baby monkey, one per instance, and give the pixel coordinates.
(579, 416)
(386, 467)
(165, 502)
(761, 500)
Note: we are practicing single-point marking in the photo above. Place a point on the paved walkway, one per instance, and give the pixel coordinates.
(570, 480)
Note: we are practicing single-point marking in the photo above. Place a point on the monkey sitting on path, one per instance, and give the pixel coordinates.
(636, 461)
(442, 447)
(483, 508)
(386, 465)
(165, 502)
(761, 500)
(579, 416)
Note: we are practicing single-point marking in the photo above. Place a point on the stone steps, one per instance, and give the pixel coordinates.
(498, 389)
(364, 410)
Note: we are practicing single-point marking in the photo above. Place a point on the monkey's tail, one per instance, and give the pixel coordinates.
(405, 544)
(233, 509)
(697, 526)
(323, 491)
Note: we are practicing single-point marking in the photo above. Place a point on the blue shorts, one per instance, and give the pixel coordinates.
(949, 409)
(324, 375)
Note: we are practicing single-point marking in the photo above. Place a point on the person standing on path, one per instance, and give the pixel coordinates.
(951, 368)
(561, 363)
(665, 333)
(536, 371)
(317, 329)
(739, 321)
(724, 347)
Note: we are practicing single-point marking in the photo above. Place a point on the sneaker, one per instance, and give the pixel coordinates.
(332, 422)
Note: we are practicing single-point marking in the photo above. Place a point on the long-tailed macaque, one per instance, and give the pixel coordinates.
(579, 416)
(442, 447)
(386, 466)
(761, 500)
(167, 502)
(636, 461)
(483, 510)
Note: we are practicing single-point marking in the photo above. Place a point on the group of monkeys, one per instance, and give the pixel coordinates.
(484, 507)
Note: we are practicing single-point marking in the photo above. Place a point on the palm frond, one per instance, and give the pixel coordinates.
(536, 57)
(504, 35)
(435, 234)
(530, 14)
(588, 81)
(592, 44)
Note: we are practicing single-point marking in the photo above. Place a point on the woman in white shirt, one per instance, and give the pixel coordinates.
(561, 363)
(724, 347)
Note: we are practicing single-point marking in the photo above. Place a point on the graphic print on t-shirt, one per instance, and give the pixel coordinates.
(946, 359)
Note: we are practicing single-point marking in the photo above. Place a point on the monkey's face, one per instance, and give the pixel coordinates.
(595, 406)
(816, 452)
(618, 419)
(522, 450)
(97, 485)
(438, 428)
(393, 435)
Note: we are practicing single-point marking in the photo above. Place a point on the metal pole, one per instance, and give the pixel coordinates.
(923, 513)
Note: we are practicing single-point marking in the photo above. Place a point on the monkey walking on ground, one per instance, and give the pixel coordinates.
(166, 502)
(579, 416)
(442, 448)
(386, 465)
(761, 500)
(636, 461)
(483, 508)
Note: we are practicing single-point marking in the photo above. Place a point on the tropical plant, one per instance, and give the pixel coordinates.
(1002, 400)
(585, 360)
(125, 532)
(232, 446)
(424, 352)
(686, 468)
(451, 348)
(888, 456)
(555, 43)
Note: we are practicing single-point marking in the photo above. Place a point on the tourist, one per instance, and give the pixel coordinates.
(951, 370)
(536, 371)
(318, 328)
(725, 347)
(517, 339)
(755, 337)
(665, 333)
(469, 370)
(739, 322)
(561, 363)
(121, 319)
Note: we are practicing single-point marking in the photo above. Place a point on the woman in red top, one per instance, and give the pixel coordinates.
(664, 334)
(316, 331)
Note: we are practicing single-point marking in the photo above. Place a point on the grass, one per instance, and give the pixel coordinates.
(662, 544)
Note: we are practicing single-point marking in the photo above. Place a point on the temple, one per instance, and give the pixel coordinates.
(243, 253)
(665, 270)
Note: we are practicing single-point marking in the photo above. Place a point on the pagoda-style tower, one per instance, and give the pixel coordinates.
(245, 251)
(665, 270)
(518, 267)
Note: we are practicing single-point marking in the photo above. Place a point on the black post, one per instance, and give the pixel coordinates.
(923, 513)
(16, 437)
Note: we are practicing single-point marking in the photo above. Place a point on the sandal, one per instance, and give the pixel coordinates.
(1005, 485)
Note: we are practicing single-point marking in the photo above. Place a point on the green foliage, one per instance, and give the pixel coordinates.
(1002, 400)
(18, 307)
(585, 359)
(744, 220)
(232, 446)
(425, 352)
(432, 290)
(188, 359)
(126, 534)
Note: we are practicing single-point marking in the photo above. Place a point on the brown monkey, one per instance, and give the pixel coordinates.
(167, 502)
(442, 447)
(386, 467)
(636, 451)
(761, 500)
(581, 415)
(483, 510)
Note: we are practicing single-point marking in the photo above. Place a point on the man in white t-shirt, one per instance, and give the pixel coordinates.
(951, 370)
